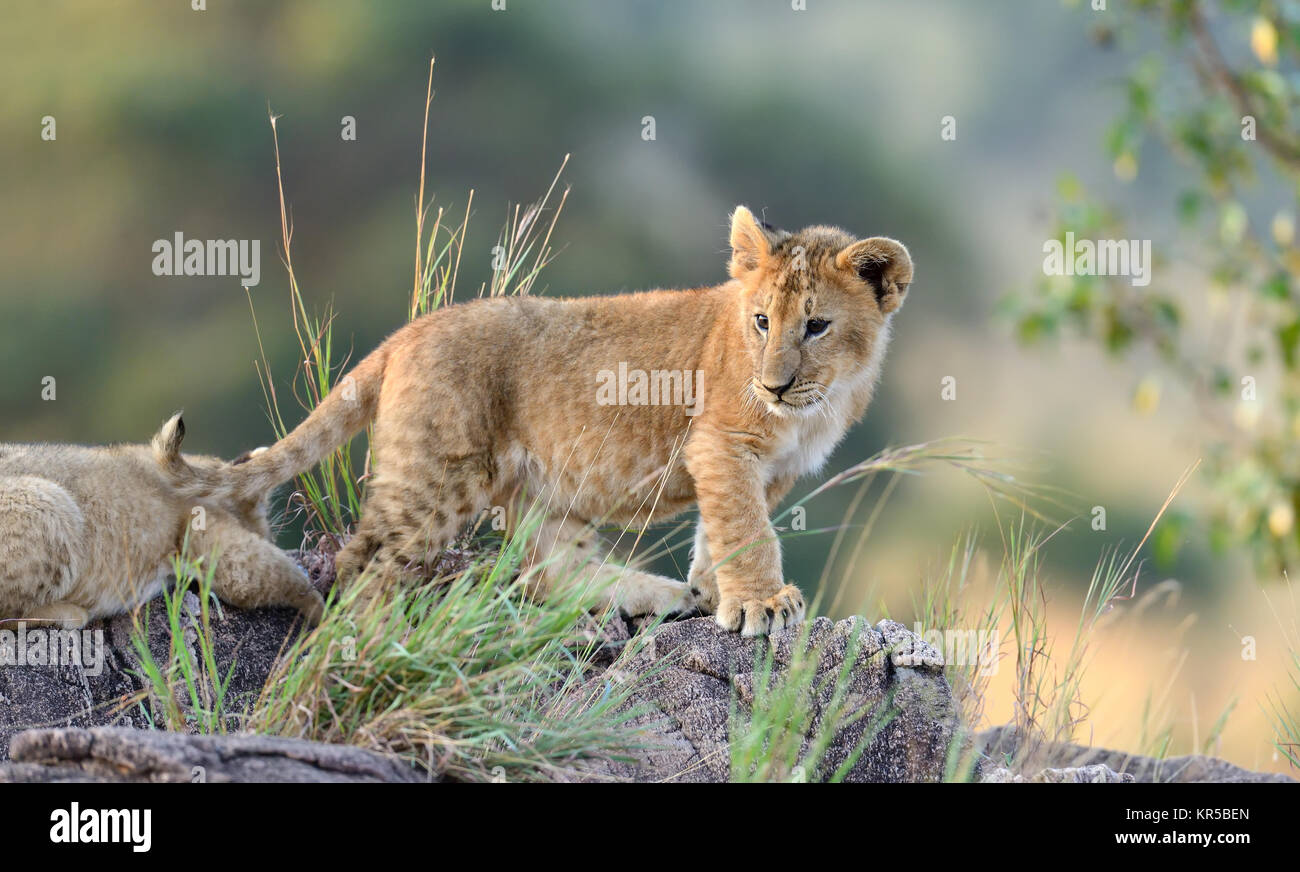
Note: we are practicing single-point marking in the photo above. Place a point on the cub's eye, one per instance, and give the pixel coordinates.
(760, 321)
(816, 326)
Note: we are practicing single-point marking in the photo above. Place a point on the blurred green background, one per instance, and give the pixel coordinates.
(829, 115)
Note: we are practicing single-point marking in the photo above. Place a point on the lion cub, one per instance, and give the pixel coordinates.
(87, 533)
(614, 409)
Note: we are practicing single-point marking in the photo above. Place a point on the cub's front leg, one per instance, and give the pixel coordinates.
(703, 583)
(253, 573)
(738, 536)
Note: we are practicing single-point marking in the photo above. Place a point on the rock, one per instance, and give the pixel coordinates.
(115, 754)
(1003, 743)
(687, 675)
(115, 693)
(694, 668)
(1093, 774)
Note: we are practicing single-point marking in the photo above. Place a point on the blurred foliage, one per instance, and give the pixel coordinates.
(1216, 87)
(162, 126)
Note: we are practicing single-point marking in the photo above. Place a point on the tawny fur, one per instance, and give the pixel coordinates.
(87, 533)
(478, 400)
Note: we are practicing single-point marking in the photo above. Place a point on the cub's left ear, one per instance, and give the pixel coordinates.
(882, 263)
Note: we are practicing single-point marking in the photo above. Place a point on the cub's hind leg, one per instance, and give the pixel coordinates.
(66, 615)
(253, 573)
(567, 552)
(413, 510)
(41, 531)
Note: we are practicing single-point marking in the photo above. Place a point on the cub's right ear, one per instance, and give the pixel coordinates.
(749, 246)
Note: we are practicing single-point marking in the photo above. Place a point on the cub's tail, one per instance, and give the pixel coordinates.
(347, 408)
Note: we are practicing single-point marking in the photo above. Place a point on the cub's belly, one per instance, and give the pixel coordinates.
(623, 488)
(124, 594)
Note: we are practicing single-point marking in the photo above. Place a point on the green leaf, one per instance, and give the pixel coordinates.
(1168, 538)
(1287, 339)
(1276, 287)
(1119, 335)
(1189, 206)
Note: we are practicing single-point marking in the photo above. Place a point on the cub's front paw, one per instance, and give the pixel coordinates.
(704, 594)
(756, 617)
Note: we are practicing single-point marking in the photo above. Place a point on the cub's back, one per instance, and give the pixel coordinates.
(524, 374)
(84, 469)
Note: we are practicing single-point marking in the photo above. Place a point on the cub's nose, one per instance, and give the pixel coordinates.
(782, 389)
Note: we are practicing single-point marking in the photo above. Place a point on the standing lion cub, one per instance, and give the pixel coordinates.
(614, 409)
(91, 532)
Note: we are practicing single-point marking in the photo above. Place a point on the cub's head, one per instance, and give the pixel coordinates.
(178, 468)
(815, 309)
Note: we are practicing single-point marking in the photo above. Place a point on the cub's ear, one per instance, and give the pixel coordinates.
(167, 441)
(882, 263)
(749, 246)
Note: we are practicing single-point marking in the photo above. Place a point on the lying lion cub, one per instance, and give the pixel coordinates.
(90, 532)
(614, 409)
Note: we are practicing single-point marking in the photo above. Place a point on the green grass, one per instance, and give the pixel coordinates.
(1286, 717)
(1283, 704)
(468, 677)
(186, 692)
(471, 678)
(948, 603)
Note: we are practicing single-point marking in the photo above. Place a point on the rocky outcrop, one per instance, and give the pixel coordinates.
(123, 755)
(98, 722)
(905, 721)
(1093, 774)
(1004, 743)
(687, 676)
(108, 688)
(113, 691)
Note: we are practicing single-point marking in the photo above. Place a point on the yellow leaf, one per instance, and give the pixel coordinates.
(1263, 41)
(1126, 166)
(1246, 415)
(1283, 229)
(1281, 518)
(1147, 397)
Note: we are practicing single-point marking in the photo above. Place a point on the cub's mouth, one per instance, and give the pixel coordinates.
(789, 399)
